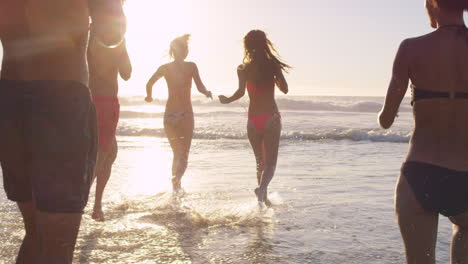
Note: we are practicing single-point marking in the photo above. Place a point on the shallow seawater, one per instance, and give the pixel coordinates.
(332, 196)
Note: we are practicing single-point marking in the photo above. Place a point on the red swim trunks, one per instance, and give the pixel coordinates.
(107, 110)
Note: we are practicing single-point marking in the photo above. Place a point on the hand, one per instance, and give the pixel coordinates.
(277, 83)
(149, 99)
(223, 99)
(209, 95)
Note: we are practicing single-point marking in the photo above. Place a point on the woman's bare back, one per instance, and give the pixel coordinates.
(439, 62)
(179, 77)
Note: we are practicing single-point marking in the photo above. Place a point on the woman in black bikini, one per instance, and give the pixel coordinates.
(259, 73)
(434, 177)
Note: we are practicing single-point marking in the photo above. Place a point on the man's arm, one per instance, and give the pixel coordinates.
(125, 66)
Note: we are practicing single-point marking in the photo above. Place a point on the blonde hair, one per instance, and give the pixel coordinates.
(178, 45)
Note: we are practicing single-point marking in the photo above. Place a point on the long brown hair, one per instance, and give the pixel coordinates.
(261, 56)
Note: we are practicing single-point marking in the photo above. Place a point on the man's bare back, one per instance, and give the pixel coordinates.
(47, 39)
(44, 40)
(43, 88)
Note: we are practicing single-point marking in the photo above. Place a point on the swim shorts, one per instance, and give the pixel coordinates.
(107, 110)
(48, 143)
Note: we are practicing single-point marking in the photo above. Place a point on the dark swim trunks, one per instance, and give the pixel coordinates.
(48, 143)
(438, 189)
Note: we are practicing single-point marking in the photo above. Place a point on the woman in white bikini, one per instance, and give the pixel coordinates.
(178, 117)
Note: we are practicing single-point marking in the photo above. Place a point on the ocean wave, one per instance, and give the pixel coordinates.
(135, 114)
(366, 107)
(372, 135)
(313, 104)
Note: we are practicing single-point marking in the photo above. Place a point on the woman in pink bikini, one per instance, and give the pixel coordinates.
(178, 117)
(259, 73)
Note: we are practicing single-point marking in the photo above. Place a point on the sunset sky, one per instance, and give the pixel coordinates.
(337, 47)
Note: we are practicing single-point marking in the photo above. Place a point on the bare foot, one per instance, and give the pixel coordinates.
(262, 198)
(98, 215)
(259, 195)
(176, 184)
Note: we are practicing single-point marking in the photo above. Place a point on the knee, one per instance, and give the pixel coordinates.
(458, 229)
(260, 166)
(113, 154)
(460, 222)
(182, 158)
(181, 162)
(460, 232)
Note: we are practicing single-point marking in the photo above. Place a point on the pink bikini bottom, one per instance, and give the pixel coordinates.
(260, 121)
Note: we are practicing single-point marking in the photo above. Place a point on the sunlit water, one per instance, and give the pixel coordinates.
(332, 192)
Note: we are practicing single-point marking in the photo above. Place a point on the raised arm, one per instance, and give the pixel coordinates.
(397, 88)
(198, 82)
(281, 81)
(109, 21)
(149, 86)
(241, 74)
(125, 66)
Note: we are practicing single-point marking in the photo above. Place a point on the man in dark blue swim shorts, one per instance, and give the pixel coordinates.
(48, 138)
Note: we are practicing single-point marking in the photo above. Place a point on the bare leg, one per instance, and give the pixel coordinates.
(29, 250)
(14, 162)
(265, 146)
(185, 144)
(418, 227)
(180, 139)
(256, 141)
(271, 140)
(460, 239)
(259, 159)
(103, 172)
(57, 235)
(174, 141)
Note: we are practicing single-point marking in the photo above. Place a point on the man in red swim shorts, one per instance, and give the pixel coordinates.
(105, 64)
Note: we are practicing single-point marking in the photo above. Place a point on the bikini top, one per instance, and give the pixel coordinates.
(421, 94)
(252, 88)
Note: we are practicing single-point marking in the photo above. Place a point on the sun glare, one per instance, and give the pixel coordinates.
(150, 172)
(151, 26)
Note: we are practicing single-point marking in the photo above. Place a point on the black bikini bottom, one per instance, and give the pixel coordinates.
(438, 189)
